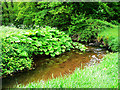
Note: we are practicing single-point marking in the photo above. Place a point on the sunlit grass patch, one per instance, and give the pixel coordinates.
(104, 75)
(109, 32)
(110, 38)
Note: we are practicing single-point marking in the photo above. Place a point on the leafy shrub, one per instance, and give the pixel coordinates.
(15, 54)
(51, 41)
(18, 48)
(86, 29)
(110, 38)
(56, 14)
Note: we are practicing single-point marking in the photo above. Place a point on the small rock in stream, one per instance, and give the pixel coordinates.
(91, 44)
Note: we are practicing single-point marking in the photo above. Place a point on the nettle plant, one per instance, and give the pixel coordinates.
(19, 47)
(52, 42)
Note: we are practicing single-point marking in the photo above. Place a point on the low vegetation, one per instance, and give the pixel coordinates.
(18, 48)
(103, 75)
(109, 37)
(86, 30)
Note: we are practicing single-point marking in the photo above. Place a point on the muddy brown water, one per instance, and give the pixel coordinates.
(47, 68)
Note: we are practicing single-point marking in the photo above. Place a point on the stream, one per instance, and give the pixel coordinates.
(47, 68)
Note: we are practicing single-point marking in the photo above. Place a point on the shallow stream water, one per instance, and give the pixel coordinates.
(53, 67)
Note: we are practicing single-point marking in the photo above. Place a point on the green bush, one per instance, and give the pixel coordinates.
(110, 38)
(51, 41)
(15, 54)
(86, 29)
(18, 48)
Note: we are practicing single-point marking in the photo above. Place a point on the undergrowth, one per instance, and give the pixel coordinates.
(18, 47)
(84, 29)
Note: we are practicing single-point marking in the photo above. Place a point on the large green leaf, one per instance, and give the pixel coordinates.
(52, 55)
(51, 50)
(34, 38)
(57, 52)
(18, 50)
(23, 40)
(24, 53)
(15, 39)
(37, 43)
(47, 53)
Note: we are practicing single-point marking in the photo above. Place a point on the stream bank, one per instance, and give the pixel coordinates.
(47, 68)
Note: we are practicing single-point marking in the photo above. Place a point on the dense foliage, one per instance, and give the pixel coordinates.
(18, 48)
(87, 29)
(27, 12)
(77, 18)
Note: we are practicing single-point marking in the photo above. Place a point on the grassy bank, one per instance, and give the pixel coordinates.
(110, 38)
(103, 75)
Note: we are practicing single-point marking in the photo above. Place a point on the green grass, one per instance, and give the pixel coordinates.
(108, 32)
(110, 38)
(103, 75)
